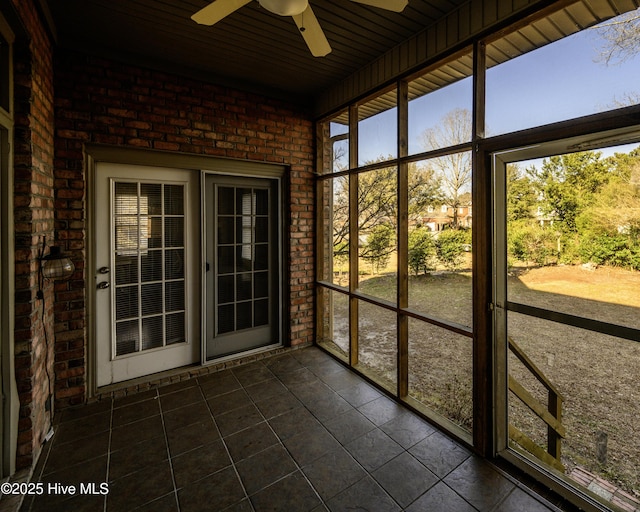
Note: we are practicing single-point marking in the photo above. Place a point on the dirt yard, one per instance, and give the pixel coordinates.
(598, 375)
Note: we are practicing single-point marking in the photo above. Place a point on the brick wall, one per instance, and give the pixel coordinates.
(34, 220)
(102, 101)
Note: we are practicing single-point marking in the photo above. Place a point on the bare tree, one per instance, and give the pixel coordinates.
(622, 38)
(454, 169)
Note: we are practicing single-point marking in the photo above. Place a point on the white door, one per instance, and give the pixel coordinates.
(146, 264)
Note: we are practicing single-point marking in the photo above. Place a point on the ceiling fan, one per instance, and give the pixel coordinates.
(299, 10)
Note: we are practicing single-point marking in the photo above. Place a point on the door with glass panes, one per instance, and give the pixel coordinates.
(146, 267)
(243, 262)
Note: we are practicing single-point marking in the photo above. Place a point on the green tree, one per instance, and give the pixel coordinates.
(450, 246)
(422, 251)
(379, 246)
(568, 183)
(521, 194)
(377, 200)
(609, 226)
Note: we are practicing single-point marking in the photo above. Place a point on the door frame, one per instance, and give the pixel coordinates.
(95, 153)
(10, 406)
(499, 158)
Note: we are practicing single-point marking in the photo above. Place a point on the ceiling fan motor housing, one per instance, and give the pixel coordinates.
(285, 7)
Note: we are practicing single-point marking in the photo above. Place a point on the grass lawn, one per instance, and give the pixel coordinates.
(597, 374)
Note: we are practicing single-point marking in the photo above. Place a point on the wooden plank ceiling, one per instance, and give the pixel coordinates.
(251, 48)
(256, 50)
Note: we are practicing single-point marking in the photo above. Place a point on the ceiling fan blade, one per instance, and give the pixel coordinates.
(217, 10)
(389, 5)
(312, 33)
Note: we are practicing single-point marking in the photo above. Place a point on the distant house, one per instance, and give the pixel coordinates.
(441, 217)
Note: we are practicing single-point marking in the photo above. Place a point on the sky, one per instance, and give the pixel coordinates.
(559, 81)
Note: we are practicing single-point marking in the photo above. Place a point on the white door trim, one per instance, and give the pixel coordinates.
(97, 153)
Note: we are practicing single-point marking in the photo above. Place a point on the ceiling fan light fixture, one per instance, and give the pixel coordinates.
(285, 7)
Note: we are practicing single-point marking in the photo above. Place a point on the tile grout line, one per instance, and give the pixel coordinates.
(233, 463)
(377, 427)
(295, 462)
(104, 506)
(166, 444)
(370, 473)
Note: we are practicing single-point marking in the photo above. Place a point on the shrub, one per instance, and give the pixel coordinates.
(531, 243)
(450, 246)
(606, 249)
(422, 251)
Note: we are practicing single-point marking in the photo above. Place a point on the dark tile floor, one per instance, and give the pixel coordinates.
(292, 433)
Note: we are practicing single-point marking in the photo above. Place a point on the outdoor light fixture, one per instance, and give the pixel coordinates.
(285, 7)
(56, 265)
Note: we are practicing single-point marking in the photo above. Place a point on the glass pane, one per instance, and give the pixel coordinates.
(126, 302)
(127, 337)
(174, 296)
(174, 231)
(226, 318)
(126, 235)
(126, 199)
(175, 328)
(226, 289)
(226, 260)
(378, 129)
(226, 198)
(335, 323)
(150, 199)
(152, 335)
(377, 344)
(151, 298)
(377, 231)
(151, 265)
(439, 248)
(568, 78)
(244, 258)
(244, 201)
(262, 201)
(596, 375)
(440, 105)
(244, 315)
(244, 229)
(174, 264)
(126, 269)
(335, 135)
(262, 229)
(151, 233)
(244, 287)
(336, 227)
(262, 257)
(441, 372)
(225, 230)
(174, 200)
(142, 230)
(573, 225)
(261, 284)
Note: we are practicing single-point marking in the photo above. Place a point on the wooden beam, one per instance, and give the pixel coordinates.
(482, 269)
(353, 235)
(403, 242)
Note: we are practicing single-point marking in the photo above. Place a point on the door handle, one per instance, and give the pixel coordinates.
(103, 285)
(103, 270)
